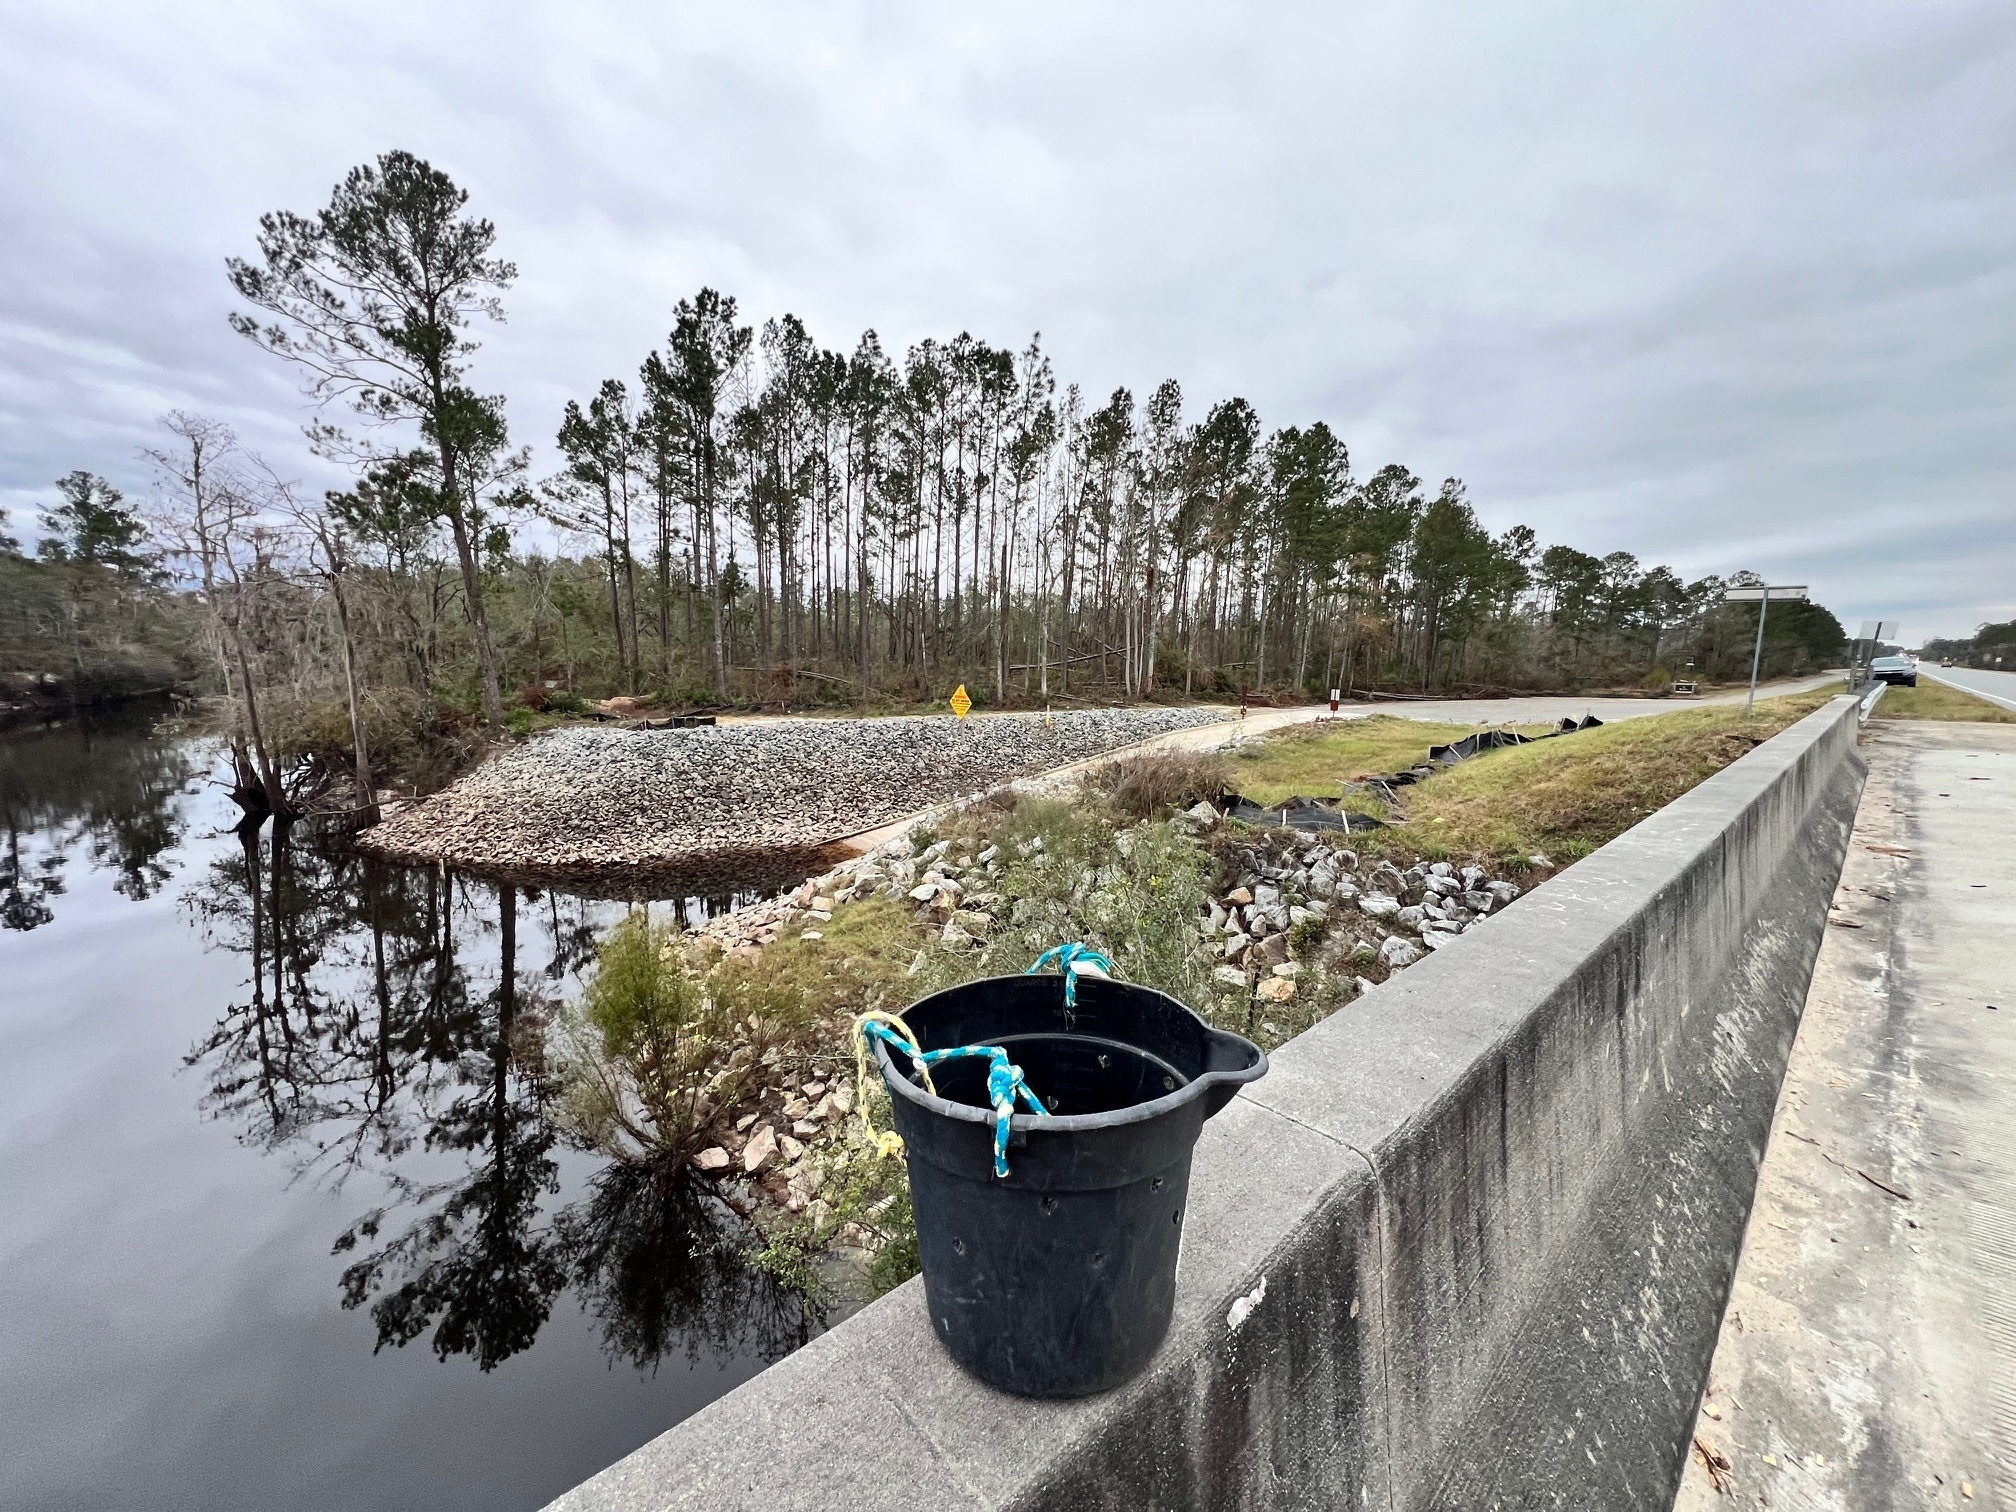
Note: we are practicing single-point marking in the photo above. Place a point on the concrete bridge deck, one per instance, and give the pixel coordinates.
(1868, 1354)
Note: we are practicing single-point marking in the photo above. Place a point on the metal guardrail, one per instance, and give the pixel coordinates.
(1869, 701)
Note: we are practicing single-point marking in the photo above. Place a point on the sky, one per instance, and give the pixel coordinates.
(1723, 285)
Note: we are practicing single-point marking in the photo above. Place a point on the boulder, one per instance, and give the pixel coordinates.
(760, 1151)
(1412, 919)
(1204, 814)
(1235, 946)
(713, 1158)
(1271, 951)
(1266, 895)
(1397, 952)
(1240, 896)
(1479, 902)
(1229, 976)
(1378, 905)
(1275, 990)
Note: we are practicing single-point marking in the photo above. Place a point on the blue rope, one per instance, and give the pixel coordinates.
(1004, 1082)
(1067, 958)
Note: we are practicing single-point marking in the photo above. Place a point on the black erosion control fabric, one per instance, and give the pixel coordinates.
(1324, 814)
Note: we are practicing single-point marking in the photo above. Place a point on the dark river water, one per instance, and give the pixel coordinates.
(285, 1221)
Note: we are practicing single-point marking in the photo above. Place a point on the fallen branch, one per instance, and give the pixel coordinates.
(1853, 1170)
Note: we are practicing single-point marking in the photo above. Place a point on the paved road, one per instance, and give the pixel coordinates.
(1999, 687)
(1868, 1356)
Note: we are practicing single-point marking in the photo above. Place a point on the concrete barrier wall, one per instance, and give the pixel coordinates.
(1496, 1207)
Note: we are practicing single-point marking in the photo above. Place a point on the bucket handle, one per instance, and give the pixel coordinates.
(1004, 1078)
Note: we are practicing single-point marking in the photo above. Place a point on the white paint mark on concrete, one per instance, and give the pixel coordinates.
(1242, 1308)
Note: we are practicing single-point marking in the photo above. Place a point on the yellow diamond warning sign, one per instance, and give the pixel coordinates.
(961, 704)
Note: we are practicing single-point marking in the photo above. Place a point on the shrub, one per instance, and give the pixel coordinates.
(534, 697)
(654, 1052)
(1157, 783)
(1134, 894)
(560, 701)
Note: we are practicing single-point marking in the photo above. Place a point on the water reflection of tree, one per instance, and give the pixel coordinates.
(372, 1036)
(103, 784)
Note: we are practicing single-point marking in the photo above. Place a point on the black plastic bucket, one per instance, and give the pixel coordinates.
(1058, 1280)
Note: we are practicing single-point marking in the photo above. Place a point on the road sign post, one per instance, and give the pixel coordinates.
(1761, 597)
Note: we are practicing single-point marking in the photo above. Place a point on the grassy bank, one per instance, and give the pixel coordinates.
(1561, 798)
(1930, 700)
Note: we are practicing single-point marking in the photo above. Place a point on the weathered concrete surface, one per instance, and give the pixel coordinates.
(1868, 1357)
(1496, 1205)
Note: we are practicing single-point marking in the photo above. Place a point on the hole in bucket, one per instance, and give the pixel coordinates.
(1072, 1073)
(1049, 1206)
(958, 1246)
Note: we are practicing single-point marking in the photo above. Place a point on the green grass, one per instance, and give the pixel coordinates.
(1315, 760)
(1561, 798)
(1930, 700)
(861, 956)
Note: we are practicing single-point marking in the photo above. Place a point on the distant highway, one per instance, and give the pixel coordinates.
(1998, 687)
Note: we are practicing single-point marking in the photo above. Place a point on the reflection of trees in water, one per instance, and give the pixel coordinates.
(375, 1034)
(101, 783)
(658, 1259)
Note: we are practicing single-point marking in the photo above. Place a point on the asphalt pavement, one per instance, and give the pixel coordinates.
(1997, 687)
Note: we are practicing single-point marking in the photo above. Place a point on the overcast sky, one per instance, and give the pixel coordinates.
(1722, 285)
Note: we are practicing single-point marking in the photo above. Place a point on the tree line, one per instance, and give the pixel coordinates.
(1991, 646)
(752, 517)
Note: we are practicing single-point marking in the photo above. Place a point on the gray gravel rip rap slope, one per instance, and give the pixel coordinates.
(582, 799)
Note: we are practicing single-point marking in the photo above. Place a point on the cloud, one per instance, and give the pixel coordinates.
(1722, 286)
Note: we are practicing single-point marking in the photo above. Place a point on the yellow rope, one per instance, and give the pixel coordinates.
(890, 1143)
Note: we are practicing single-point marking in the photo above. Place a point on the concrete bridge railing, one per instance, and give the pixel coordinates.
(1496, 1208)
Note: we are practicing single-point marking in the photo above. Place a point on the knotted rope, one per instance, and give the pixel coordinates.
(1071, 960)
(1005, 1085)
